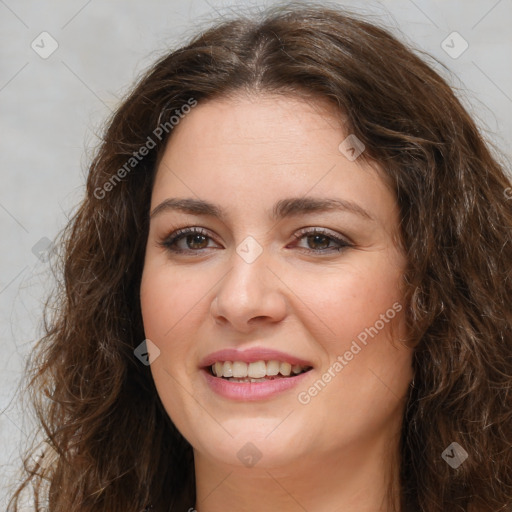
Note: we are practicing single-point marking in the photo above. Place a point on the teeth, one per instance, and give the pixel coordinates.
(256, 370)
(296, 368)
(226, 369)
(272, 367)
(285, 369)
(246, 379)
(219, 369)
(239, 369)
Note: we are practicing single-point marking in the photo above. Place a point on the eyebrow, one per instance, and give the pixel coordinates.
(293, 206)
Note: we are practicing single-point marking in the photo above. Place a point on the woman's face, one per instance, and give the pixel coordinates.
(292, 252)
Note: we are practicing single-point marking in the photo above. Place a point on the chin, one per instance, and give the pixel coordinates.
(248, 449)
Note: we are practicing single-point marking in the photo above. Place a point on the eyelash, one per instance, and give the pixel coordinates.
(179, 234)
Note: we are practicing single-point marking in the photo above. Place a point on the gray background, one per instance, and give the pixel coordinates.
(51, 110)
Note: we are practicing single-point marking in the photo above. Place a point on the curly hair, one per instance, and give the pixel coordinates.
(114, 447)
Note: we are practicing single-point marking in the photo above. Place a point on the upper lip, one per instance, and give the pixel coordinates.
(252, 355)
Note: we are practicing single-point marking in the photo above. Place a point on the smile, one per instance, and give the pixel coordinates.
(258, 371)
(254, 381)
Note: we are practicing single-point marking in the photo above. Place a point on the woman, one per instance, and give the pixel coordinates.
(287, 288)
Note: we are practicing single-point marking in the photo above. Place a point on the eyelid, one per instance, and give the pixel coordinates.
(178, 234)
(323, 231)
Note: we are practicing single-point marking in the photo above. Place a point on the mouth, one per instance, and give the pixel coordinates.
(257, 371)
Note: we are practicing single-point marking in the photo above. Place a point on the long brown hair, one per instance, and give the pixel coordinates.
(115, 448)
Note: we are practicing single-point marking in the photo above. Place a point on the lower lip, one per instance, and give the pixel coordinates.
(250, 391)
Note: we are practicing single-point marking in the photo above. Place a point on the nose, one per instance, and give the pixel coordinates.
(250, 295)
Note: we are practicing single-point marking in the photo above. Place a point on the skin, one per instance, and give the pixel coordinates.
(339, 451)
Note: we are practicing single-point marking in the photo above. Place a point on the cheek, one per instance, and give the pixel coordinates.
(170, 305)
(343, 303)
(169, 301)
(357, 320)
(356, 313)
(171, 308)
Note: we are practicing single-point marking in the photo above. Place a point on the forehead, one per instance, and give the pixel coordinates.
(254, 150)
(277, 121)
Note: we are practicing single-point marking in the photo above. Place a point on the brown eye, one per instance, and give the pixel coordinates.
(186, 240)
(196, 241)
(322, 242)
